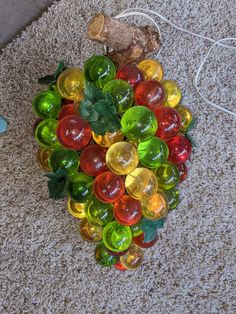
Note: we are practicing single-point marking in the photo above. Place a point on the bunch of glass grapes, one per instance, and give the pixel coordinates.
(121, 179)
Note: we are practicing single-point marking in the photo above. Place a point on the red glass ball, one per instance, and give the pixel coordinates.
(180, 149)
(67, 110)
(139, 240)
(93, 160)
(169, 122)
(119, 266)
(131, 74)
(183, 172)
(117, 253)
(150, 94)
(66, 102)
(127, 210)
(109, 187)
(73, 132)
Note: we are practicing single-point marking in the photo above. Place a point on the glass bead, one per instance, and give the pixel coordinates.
(102, 257)
(42, 157)
(93, 160)
(180, 149)
(167, 175)
(186, 116)
(151, 69)
(73, 132)
(47, 104)
(108, 138)
(80, 188)
(117, 237)
(139, 240)
(141, 183)
(183, 172)
(133, 259)
(172, 196)
(65, 159)
(67, 110)
(139, 123)
(172, 93)
(155, 207)
(153, 152)
(89, 231)
(150, 94)
(108, 187)
(169, 122)
(45, 134)
(127, 211)
(122, 158)
(131, 74)
(99, 213)
(118, 266)
(70, 84)
(136, 229)
(99, 70)
(122, 94)
(77, 210)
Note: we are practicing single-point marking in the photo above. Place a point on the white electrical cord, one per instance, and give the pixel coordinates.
(131, 12)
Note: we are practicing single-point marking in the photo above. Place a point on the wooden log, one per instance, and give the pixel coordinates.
(127, 44)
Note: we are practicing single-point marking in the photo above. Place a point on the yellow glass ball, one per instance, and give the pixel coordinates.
(77, 210)
(141, 183)
(133, 258)
(122, 158)
(151, 69)
(172, 93)
(155, 207)
(108, 138)
(89, 231)
(186, 116)
(70, 84)
(42, 157)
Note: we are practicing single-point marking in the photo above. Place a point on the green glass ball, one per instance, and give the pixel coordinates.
(139, 123)
(47, 104)
(153, 152)
(99, 213)
(99, 70)
(65, 159)
(102, 257)
(45, 134)
(136, 229)
(116, 237)
(122, 94)
(167, 175)
(172, 196)
(80, 188)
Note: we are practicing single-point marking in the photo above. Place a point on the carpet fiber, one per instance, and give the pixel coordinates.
(45, 265)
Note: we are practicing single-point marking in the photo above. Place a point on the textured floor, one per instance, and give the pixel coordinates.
(15, 15)
(45, 266)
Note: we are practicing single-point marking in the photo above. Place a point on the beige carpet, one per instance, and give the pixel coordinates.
(45, 266)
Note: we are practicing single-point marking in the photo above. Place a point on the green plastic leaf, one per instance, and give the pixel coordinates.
(45, 80)
(150, 227)
(92, 93)
(57, 184)
(60, 67)
(191, 125)
(48, 79)
(189, 137)
(108, 119)
(99, 127)
(87, 111)
(99, 110)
